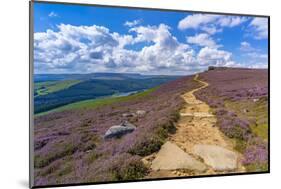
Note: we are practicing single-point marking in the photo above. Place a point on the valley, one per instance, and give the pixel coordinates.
(53, 91)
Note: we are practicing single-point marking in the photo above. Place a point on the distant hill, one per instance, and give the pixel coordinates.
(103, 76)
(56, 90)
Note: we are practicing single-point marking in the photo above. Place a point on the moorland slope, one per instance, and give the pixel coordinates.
(225, 108)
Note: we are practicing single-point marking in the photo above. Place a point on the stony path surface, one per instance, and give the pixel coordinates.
(198, 147)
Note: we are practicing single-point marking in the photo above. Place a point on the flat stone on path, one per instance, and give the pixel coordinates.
(220, 159)
(171, 157)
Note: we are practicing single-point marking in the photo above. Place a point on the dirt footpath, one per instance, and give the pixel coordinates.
(198, 147)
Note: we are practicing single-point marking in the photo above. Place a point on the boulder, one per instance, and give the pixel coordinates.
(219, 158)
(119, 130)
(140, 112)
(171, 157)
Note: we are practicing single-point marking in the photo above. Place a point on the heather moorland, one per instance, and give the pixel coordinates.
(208, 109)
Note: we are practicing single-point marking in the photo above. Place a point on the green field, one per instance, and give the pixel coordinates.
(94, 103)
(44, 88)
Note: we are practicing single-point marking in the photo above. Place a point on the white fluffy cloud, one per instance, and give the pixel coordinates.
(72, 45)
(231, 21)
(52, 14)
(166, 52)
(196, 20)
(210, 23)
(246, 47)
(86, 49)
(255, 58)
(260, 28)
(258, 55)
(132, 23)
(202, 39)
(252, 52)
(216, 57)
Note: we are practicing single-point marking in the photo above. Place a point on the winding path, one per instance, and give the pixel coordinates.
(198, 147)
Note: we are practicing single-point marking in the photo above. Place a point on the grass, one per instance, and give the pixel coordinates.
(255, 112)
(64, 149)
(44, 88)
(261, 130)
(257, 167)
(51, 169)
(95, 103)
(240, 145)
(67, 168)
(91, 157)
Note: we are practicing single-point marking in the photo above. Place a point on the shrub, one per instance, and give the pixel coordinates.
(154, 143)
(175, 116)
(256, 152)
(165, 129)
(232, 126)
(134, 170)
(128, 167)
(147, 147)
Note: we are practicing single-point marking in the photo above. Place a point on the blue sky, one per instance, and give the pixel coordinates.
(84, 39)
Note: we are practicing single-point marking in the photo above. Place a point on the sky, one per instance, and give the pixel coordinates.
(86, 39)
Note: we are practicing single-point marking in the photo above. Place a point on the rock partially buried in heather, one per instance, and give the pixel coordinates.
(127, 124)
(171, 157)
(140, 112)
(119, 130)
(255, 99)
(129, 115)
(220, 159)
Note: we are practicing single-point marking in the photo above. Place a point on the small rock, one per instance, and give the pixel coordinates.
(255, 99)
(140, 112)
(245, 110)
(146, 162)
(40, 144)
